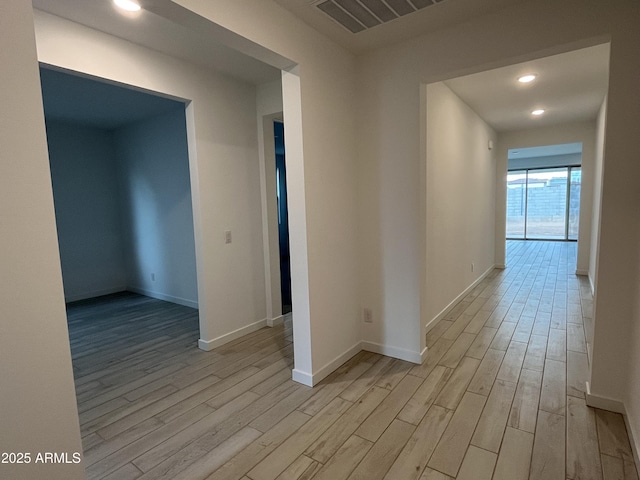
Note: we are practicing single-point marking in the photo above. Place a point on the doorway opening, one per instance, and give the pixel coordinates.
(119, 162)
(283, 217)
(543, 193)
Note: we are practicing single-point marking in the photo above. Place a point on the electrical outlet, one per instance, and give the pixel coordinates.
(367, 315)
(473, 267)
(227, 236)
(153, 277)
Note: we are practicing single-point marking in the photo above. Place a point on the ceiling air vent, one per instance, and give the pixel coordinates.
(359, 15)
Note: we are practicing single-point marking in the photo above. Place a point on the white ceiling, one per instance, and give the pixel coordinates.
(89, 102)
(570, 87)
(197, 45)
(545, 151)
(435, 17)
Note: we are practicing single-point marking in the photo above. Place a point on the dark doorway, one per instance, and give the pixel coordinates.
(283, 218)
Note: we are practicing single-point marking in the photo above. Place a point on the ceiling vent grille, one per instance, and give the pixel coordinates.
(359, 15)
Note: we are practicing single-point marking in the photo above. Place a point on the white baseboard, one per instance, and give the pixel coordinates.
(593, 288)
(94, 293)
(161, 296)
(582, 272)
(501, 266)
(302, 377)
(395, 352)
(311, 379)
(457, 300)
(604, 403)
(208, 345)
(423, 354)
(272, 322)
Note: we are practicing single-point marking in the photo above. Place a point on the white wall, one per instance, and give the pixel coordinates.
(631, 402)
(614, 371)
(387, 112)
(392, 197)
(123, 209)
(459, 215)
(598, 169)
(321, 177)
(389, 151)
(156, 208)
(461, 185)
(391, 226)
(85, 186)
(221, 122)
(585, 133)
(269, 107)
(38, 411)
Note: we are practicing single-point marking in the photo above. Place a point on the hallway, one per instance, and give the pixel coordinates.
(500, 396)
(519, 350)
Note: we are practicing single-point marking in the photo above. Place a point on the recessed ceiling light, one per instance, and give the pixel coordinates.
(128, 5)
(527, 78)
(537, 112)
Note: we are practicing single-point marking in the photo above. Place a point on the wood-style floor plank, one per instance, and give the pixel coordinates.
(379, 459)
(331, 440)
(490, 429)
(536, 351)
(346, 458)
(420, 402)
(480, 345)
(418, 449)
(512, 363)
(515, 456)
(455, 388)
(548, 460)
(485, 375)
(260, 448)
(302, 468)
(612, 435)
(553, 396)
(577, 373)
(450, 452)
(500, 395)
(583, 455)
(478, 464)
(454, 355)
(276, 462)
(383, 415)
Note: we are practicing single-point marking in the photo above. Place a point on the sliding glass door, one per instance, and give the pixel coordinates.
(546, 204)
(516, 203)
(575, 177)
(543, 204)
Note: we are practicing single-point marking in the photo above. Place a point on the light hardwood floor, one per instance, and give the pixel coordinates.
(500, 396)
